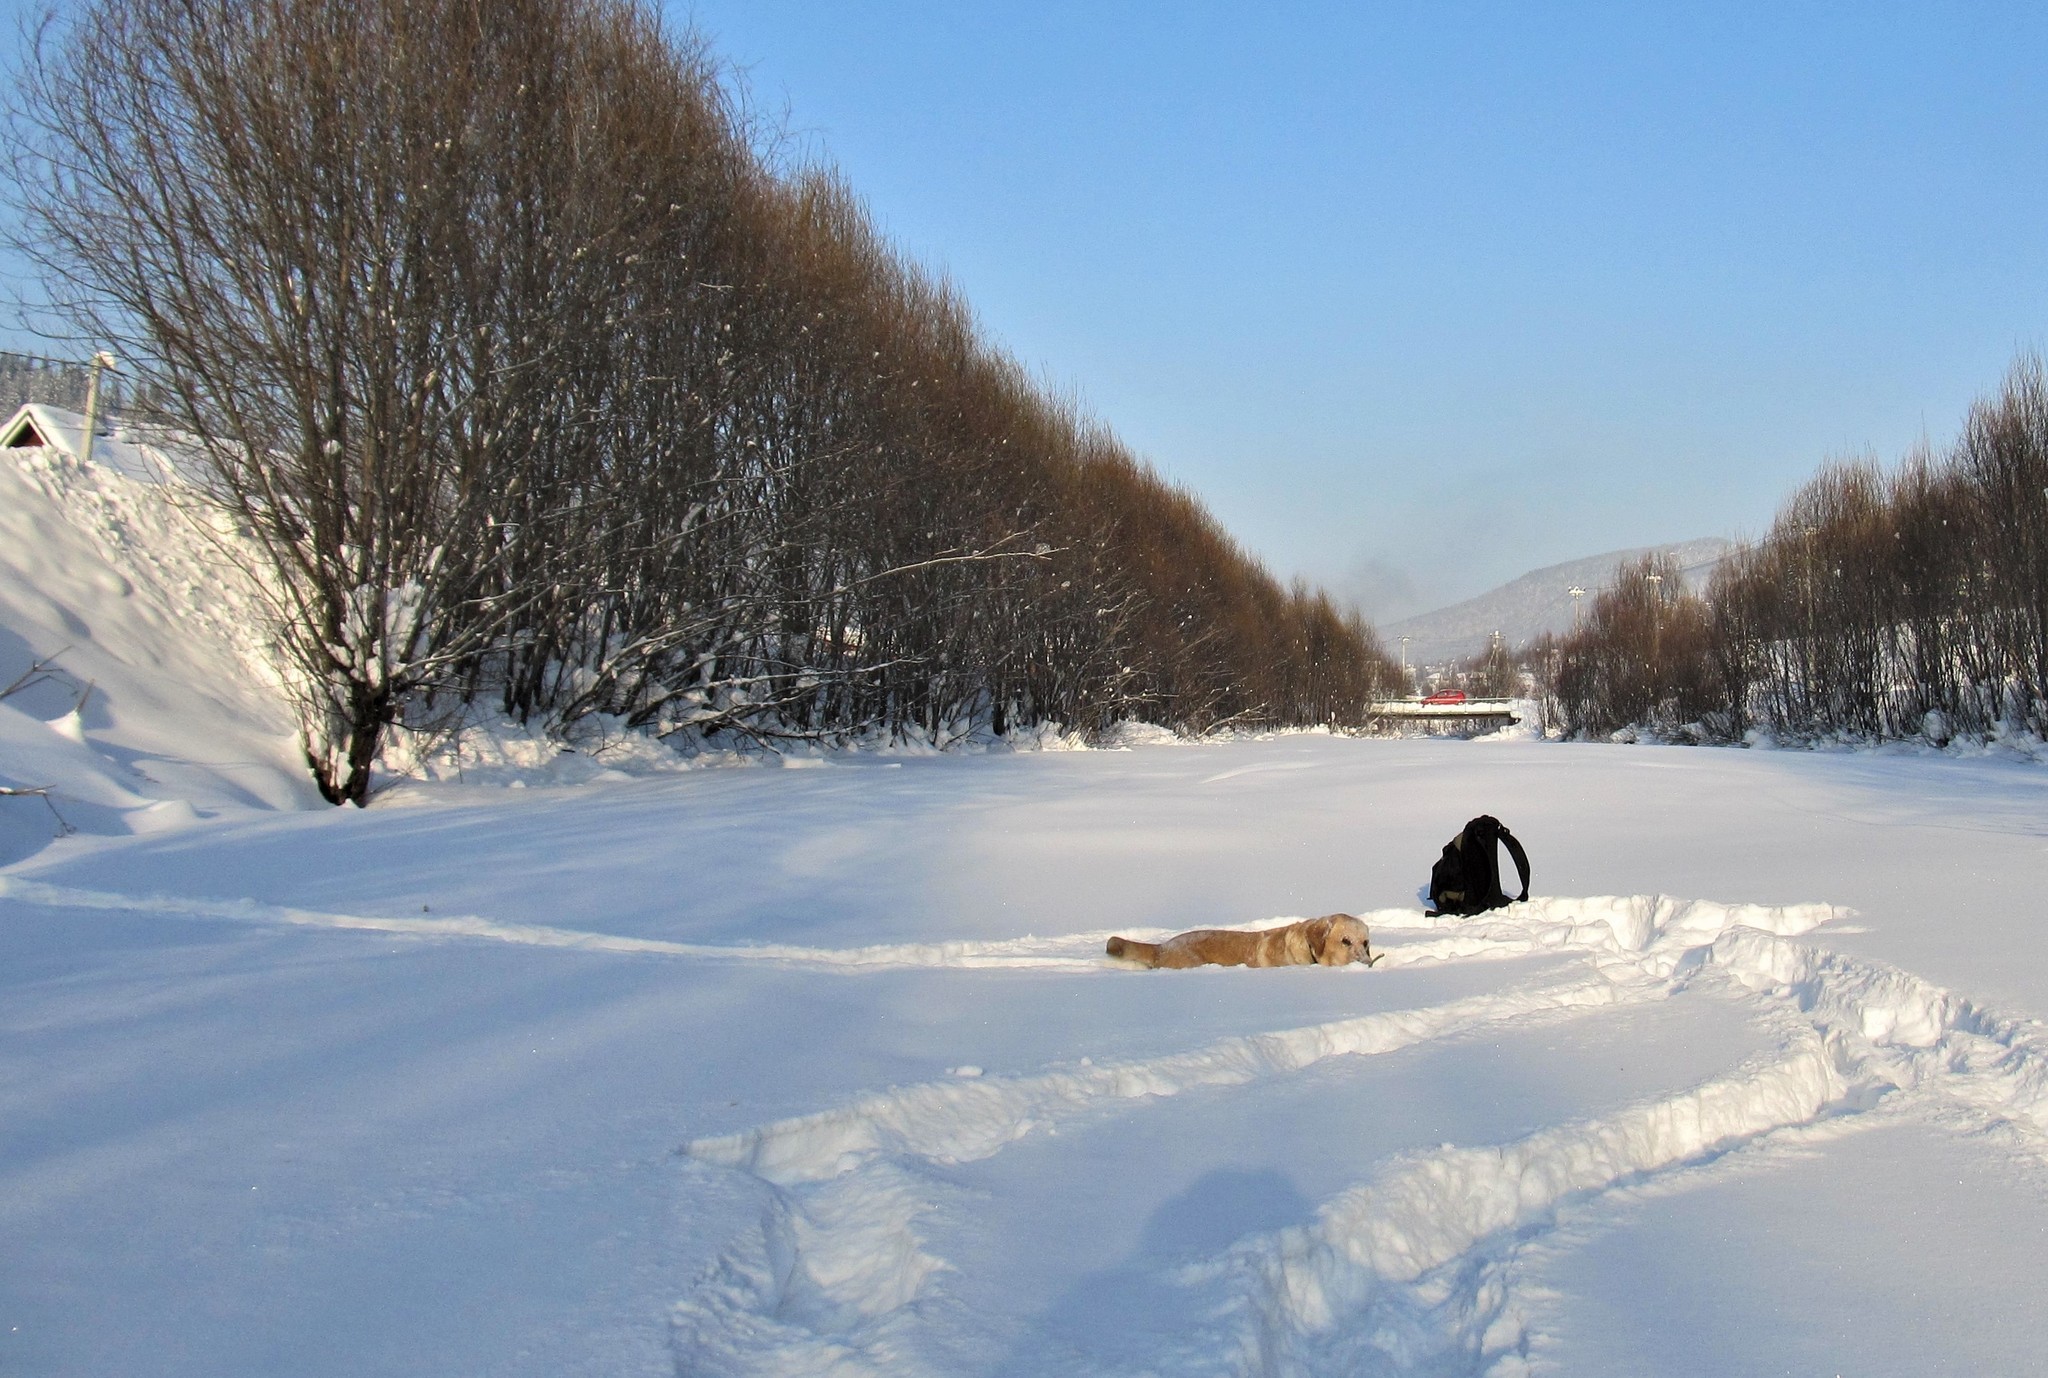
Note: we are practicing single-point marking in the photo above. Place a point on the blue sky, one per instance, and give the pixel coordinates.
(1419, 297)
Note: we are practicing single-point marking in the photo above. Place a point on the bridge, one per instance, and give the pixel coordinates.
(1472, 717)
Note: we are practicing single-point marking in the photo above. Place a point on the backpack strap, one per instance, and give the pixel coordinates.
(1521, 859)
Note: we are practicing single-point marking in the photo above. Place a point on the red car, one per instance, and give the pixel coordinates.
(1446, 696)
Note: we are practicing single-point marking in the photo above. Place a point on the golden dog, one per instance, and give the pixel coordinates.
(1330, 941)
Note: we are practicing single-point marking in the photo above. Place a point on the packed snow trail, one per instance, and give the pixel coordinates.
(1548, 925)
(1436, 1237)
(956, 1121)
(1026, 952)
(963, 1120)
(1412, 1269)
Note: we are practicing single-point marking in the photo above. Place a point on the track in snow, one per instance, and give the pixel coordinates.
(1414, 1267)
(1068, 951)
(1064, 951)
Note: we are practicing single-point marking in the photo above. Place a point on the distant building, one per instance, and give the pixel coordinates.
(35, 425)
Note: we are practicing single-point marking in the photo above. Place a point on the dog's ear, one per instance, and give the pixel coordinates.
(1317, 931)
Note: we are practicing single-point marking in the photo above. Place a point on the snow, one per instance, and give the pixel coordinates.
(752, 1071)
(120, 577)
(647, 1068)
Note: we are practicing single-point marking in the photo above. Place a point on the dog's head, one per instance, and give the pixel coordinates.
(1338, 939)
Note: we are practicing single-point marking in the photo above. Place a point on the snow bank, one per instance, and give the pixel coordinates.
(166, 707)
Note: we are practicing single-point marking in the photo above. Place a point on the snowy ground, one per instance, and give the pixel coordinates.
(574, 1064)
(119, 577)
(809, 1071)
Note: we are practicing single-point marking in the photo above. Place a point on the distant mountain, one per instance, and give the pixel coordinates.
(1538, 602)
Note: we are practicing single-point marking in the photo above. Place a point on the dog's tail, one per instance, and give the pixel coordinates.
(1131, 950)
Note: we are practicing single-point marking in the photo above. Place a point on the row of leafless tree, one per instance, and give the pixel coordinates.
(1900, 604)
(1642, 657)
(537, 380)
(65, 383)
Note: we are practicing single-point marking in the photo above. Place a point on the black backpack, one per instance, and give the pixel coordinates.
(1466, 879)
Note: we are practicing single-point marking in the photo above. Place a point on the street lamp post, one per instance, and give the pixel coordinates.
(1656, 582)
(1806, 660)
(1811, 531)
(100, 362)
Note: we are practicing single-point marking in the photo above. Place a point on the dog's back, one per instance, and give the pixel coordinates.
(1225, 947)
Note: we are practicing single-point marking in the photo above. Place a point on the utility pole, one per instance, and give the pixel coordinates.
(100, 362)
(1810, 530)
(1577, 594)
(1807, 659)
(1656, 632)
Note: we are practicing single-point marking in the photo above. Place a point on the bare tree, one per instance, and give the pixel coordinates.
(347, 273)
(533, 376)
(1643, 656)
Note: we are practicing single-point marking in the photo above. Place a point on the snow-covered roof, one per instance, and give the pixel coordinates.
(117, 447)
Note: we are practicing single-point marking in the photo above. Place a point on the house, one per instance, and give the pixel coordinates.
(34, 425)
(37, 426)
